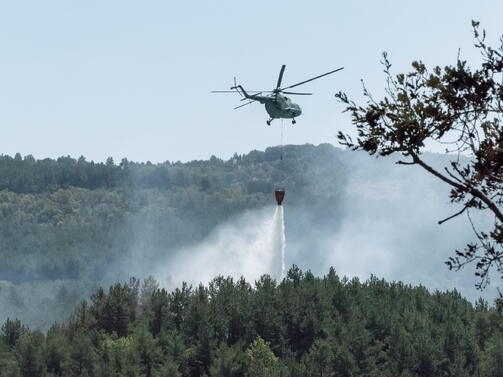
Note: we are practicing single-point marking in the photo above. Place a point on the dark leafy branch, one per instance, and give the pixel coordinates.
(455, 106)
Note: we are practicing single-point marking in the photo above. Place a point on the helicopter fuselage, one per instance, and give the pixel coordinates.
(278, 106)
(282, 107)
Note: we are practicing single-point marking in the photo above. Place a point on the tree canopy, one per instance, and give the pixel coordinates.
(460, 108)
(301, 326)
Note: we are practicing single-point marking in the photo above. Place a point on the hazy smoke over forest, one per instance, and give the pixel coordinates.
(359, 214)
(248, 245)
(385, 224)
(391, 230)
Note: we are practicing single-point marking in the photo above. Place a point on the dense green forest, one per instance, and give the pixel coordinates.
(301, 326)
(68, 226)
(69, 219)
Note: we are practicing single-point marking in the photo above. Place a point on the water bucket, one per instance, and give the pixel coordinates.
(280, 195)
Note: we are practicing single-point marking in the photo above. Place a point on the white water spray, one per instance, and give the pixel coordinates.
(279, 242)
(248, 246)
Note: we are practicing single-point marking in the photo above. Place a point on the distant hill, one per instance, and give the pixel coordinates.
(69, 224)
(68, 219)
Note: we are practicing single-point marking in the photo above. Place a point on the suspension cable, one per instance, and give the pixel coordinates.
(281, 145)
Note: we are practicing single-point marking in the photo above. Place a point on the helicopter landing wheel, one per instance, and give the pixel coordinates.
(268, 122)
(294, 121)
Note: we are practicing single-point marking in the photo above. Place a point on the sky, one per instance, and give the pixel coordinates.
(133, 79)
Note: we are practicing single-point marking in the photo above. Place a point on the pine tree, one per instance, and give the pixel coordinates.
(261, 360)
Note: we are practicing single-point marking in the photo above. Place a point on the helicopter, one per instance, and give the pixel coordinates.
(276, 104)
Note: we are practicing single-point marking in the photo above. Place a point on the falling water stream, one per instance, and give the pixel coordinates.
(283, 240)
(279, 240)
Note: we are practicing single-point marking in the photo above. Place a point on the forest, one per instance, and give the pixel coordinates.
(67, 225)
(68, 218)
(301, 326)
(68, 228)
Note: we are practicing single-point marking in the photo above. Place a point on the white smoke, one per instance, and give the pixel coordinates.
(390, 229)
(248, 245)
(382, 220)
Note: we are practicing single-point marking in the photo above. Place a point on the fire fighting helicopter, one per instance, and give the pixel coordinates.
(276, 104)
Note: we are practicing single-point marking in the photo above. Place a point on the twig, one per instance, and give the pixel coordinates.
(453, 216)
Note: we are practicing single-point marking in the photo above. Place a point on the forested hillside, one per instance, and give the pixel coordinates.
(69, 219)
(303, 326)
(69, 225)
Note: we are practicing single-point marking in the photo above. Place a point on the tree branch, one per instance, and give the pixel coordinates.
(405, 163)
(421, 163)
(452, 175)
(453, 216)
(465, 188)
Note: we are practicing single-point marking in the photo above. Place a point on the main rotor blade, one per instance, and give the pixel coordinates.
(298, 94)
(280, 77)
(235, 91)
(314, 78)
(247, 103)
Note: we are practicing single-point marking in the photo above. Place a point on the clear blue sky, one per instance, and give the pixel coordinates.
(132, 79)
